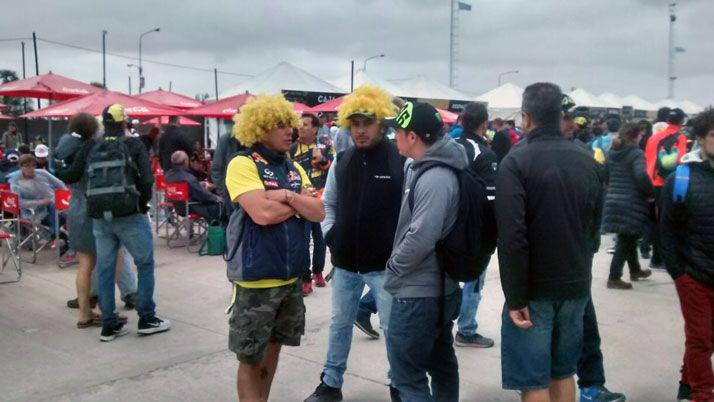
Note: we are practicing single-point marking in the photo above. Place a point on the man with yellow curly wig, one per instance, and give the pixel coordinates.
(266, 242)
(362, 198)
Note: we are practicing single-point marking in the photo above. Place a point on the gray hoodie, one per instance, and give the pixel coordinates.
(413, 270)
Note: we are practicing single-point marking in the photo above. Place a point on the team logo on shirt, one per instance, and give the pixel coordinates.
(257, 158)
(270, 184)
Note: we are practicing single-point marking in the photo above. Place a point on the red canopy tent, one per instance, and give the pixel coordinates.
(447, 117)
(3, 106)
(163, 120)
(168, 98)
(94, 104)
(329, 106)
(301, 108)
(47, 86)
(6, 117)
(222, 109)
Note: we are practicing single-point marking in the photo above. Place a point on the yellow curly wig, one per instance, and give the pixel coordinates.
(260, 115)
(369, 99)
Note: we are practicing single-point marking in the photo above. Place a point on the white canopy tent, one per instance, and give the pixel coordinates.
(282, 77)
(638, 103)
(362, 78)
(504, 101)
(582, 97)
(689, 107)
(609, 98)
(425, 88)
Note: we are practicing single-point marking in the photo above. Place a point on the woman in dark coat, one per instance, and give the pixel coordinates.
(626, 210)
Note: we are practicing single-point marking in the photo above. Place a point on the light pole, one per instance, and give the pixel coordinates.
(141, 70)
(670, 75)
(505, 73)
(377, 56)
(104, 58)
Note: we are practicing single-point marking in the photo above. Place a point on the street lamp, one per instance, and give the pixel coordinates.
(364, 66)
(505, 73)
(141, 70)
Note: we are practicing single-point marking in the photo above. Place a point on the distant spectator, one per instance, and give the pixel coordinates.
(12, 137)
(207, 204)
(150, 140)
(41, 155)
(172, 140)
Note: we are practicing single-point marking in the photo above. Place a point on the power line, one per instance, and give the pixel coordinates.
(161, 63)
(13, 39)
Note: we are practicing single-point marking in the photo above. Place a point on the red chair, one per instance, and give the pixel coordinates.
(158, 201)
(10, 232)
(32, 234)
(62, 198)
(180, 218)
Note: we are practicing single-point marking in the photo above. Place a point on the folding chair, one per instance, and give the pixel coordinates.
(8, 223)
(159, 200)
(61, 207)
(33, 235)
(182, 221)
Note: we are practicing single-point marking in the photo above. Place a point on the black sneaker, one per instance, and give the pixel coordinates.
(473, 341)
(153, 325)
(111, 333)
(641, 274)
(618, 284)
(129, 301)
(394, 394)
(74, 303)
(325, 393)
(684, 394)
(365, 325)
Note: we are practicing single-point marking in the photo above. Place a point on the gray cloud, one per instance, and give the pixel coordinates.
(617, 46)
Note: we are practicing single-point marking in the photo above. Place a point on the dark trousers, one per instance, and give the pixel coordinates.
(367, 306)
(590, 366)
(318, 249)
(646, 242)
(656, 247)
(625, 251)
(418, 345)
(697, 303)
(208, 211)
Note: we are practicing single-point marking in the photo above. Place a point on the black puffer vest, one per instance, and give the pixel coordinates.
(627, 210)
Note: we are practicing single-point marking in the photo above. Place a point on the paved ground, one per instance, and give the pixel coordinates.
(44, 357)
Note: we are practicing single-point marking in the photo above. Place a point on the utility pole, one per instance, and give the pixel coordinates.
(218, 122)
(24, 100)
(352, 76)
(130, 85)
(37, 64)
(141, 68)
(104, 58)
(670, 75)
(170, 85)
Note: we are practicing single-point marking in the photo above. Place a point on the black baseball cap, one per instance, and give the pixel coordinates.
(568, 105)
(422, 118)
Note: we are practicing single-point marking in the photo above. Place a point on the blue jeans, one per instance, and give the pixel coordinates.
(134, 233)
(549, 350)
(417, 345)
(126, 282)
(470, 299)
(318, 249)
(347, 289)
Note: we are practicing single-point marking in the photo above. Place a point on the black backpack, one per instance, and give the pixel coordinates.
(111, 179)
(459, 252)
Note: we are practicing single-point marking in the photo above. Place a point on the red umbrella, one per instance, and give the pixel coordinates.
(171, 99)
(3, 106)
(329, 106)
(6, 117)
(94, 104)
(222, 109)
(183, 121)
(301, 108)
(47, 86)
(447, 117)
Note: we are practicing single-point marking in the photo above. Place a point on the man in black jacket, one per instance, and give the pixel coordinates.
(226, 149)
(362, 199)
(201, 201)
(484, 163)
(548, 206)
(172, 140)
(687, 227)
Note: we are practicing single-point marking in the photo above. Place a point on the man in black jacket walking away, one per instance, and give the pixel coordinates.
(483, 163)
(172, 140)
(687, 226)
(548, 207)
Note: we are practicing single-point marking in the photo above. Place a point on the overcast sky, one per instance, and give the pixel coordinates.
(615, 46)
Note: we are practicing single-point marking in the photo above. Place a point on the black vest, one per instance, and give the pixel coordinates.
(369, 193)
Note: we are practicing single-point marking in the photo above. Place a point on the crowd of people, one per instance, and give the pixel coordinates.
(413, 211)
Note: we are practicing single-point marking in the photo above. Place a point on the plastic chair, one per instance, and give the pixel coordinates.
(62, 198)
(8, 223)
(37, 235)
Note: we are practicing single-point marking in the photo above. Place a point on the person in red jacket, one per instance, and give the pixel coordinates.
(663, 152)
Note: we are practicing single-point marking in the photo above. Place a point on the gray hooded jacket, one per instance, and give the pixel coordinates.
(413, 270)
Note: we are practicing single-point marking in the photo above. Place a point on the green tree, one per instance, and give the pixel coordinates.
(15, 105)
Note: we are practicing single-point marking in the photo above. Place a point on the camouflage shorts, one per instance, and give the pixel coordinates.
(261, 316)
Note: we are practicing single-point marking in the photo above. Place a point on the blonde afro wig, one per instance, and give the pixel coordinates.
(260, 115)
(368, 99)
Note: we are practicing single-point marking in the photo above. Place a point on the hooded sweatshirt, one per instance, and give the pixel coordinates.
(413, 270)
